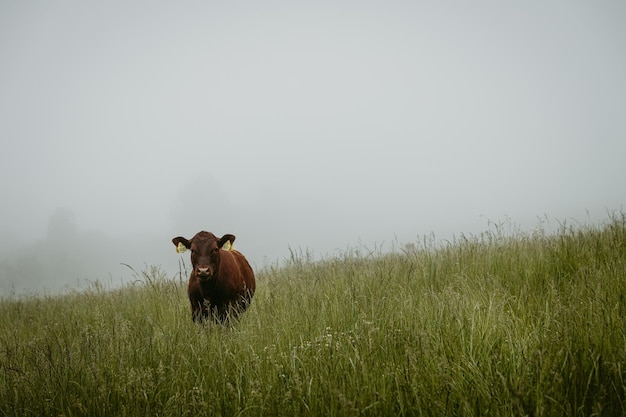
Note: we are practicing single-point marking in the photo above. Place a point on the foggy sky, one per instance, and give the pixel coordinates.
(316, 125)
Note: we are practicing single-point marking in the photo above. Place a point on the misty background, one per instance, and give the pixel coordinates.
(309, 125)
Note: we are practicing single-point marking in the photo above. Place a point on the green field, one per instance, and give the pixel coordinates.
(498, 324)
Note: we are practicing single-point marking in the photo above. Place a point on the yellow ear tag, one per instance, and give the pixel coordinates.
(181, 248)
(227, 246)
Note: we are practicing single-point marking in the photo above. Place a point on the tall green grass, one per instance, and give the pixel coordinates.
(497, 324)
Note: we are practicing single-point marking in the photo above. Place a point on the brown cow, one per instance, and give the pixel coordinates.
(221, 284)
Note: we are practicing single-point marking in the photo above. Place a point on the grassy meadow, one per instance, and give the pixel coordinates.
(501, 324)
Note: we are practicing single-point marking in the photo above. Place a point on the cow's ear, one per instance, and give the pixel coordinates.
(181, 244)
(226, 242)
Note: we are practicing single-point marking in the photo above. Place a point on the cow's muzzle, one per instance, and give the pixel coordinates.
(204, 273)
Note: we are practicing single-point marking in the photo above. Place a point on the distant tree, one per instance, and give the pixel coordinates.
(61, 226)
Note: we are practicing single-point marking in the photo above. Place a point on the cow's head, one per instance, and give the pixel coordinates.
(205, 252)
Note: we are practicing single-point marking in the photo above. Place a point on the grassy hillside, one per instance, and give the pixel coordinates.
(491, 325)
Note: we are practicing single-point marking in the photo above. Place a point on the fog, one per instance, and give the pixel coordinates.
(315, 126)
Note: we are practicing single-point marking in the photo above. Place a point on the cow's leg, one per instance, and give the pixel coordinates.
(206, 309)
(196, 309)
